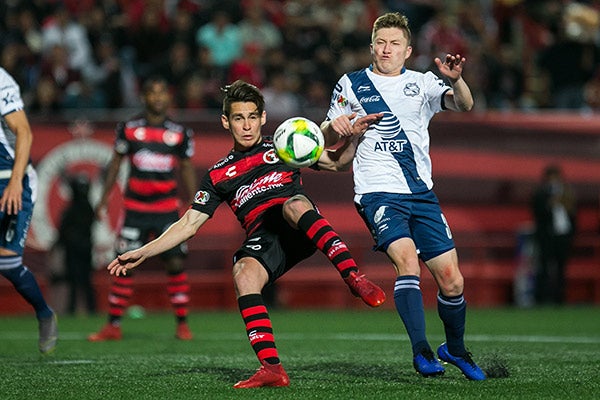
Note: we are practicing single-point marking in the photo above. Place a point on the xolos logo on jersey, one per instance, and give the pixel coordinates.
(270, 157)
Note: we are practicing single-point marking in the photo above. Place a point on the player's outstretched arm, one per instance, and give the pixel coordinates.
(177, 233)
(460, 97)
(339, 158)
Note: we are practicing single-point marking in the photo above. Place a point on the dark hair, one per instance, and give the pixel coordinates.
(391, 20)
(240, 91)
(152, 80)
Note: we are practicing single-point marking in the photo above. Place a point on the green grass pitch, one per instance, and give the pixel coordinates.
(551, 353)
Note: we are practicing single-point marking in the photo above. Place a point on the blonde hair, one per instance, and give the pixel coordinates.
(391, 20)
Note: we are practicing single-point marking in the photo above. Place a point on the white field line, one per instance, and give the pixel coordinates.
(374, 337)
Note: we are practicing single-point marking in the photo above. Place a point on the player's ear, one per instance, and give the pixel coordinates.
(263, 118)
(225, 121)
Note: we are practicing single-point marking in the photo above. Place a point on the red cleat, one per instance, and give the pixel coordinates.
(183, 332)
(272, 375)
(108, 332)
(361, 287)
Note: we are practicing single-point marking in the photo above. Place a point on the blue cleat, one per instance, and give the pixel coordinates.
(465, 363)
(427, 365)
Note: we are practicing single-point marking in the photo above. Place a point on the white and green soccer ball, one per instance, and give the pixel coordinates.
(298, 142)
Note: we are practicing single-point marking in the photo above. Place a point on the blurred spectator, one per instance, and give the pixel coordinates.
(519, 49)
(571, 61)
(85, 96)
(274, 10)
(183, 29)
(30, 33)
(149, 38)
(305, 29)
(503, 79)
(317, 96)
(249, 66)
(441, 35)
(554, 212)
(222, 39)
(212, 75)
(75, 236)
(177, 67)
(104, 74)
(281, 101)
(95, 23)
(256, 30)
(55, 66)
(192, 95)
(61, 30)
(12, 61)
(46, 101)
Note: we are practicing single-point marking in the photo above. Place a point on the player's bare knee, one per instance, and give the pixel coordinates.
(294, 208)
(248, 277)
(452, 287)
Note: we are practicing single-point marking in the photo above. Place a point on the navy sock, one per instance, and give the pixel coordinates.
(25, 283)
(453, 313)
(409, 304)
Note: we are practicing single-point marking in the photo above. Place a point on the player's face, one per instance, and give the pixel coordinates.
(390, 50)
(157, 99)
(244, 123)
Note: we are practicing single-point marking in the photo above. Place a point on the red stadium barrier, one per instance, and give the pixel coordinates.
(485, 168)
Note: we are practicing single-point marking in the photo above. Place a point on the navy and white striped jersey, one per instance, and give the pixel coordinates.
(10, 101)
(393, 155)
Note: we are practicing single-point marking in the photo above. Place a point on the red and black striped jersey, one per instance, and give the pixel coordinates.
(250, 182)
(153, 152)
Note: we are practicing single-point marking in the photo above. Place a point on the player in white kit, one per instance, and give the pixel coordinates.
(17, 196)
(385, 111)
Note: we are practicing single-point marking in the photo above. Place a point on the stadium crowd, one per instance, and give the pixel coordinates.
(93, 54)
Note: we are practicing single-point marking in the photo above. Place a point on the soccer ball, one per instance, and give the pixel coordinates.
(298, 142)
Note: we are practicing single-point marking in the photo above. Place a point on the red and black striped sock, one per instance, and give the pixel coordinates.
(259, 328)
(121, 291)
(178, 289)
(318, 229)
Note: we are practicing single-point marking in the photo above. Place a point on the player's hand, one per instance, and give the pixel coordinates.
(125, 262)
(452, 67)
(344, 126)
(361, 125)
(11, 201)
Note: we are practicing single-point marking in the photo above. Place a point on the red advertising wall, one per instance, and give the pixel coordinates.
(485, 168)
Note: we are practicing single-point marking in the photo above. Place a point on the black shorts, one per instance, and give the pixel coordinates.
(276, 245)
(140, 228)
